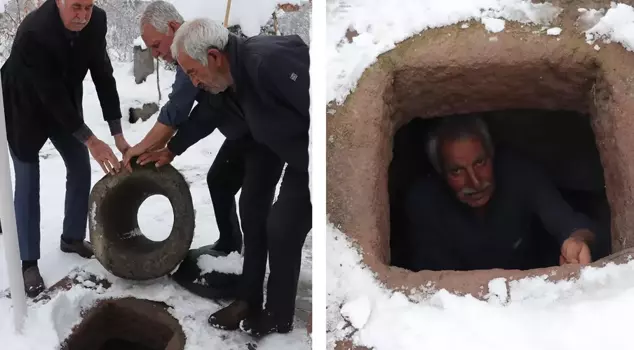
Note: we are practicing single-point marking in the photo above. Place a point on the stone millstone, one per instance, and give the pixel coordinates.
(117, 239)
(213, 285)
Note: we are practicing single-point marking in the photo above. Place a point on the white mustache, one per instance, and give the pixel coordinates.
(80, 21)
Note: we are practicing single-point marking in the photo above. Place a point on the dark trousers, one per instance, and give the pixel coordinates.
(224, 180)
(27, 195)
(279, 233)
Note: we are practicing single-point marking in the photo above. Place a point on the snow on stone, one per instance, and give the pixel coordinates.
(537, 315)
(139, 42)
(493, 25)
(249, 14)
(382, 24)
(231, 263)
(553, 31)
(465, 26)
(498, 293)
(357, 311)
(617, 25)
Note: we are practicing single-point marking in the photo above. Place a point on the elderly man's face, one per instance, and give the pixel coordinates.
(468, 171)
(159, 43)
(75, 14)
(214, 78)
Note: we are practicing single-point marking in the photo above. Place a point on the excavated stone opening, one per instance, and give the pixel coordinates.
(452, 71)
(561, 142)
(121, 207)
(126, 324)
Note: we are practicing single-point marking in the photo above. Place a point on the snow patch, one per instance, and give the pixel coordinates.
(381, 24)
(357, 311)
(617, 25)
(139, 42)
(553, 31)
(535, 316)
(231, 263)
(493, 25)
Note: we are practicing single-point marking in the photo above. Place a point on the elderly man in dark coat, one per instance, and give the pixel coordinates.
(269, 80)
(54, 48)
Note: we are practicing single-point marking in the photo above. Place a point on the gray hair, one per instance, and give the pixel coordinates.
(158, 14)
(198, 36)
(457, 128)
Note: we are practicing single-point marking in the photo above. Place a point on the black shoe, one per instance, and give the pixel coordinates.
(229, 318)
(81, 248)
(263, 324)
(227, 246)
(33, 282)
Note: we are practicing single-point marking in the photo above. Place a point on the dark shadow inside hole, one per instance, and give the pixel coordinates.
(561, 142)
(119, 213)
(122, 325)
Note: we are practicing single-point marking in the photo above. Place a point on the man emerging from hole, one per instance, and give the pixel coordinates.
(477, 214)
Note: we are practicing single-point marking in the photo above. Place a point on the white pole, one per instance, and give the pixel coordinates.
(9, 227)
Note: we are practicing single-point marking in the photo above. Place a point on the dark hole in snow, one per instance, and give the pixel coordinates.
(562, 142)
(127, 324)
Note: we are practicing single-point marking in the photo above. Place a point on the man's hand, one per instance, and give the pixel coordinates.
(132, 152)
(121, 143)
(575, 250)
(161, 157)
(103, 154)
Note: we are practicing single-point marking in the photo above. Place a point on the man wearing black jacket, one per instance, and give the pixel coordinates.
(269, 79)
(54, 48)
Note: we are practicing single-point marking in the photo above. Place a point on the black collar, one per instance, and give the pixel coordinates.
(233, 51)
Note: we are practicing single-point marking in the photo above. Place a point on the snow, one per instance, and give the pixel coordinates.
(617, 25)
(382, 24)
(357, 311)
(553, 31)
(139, 42)
(231, 263)
(49, 323)
(494, 25)
(250, 15)
(538, 314)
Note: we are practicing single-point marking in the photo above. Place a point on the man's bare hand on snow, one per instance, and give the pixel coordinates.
(103, 154)
(161, 157)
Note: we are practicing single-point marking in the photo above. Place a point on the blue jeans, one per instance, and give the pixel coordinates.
(27, 195)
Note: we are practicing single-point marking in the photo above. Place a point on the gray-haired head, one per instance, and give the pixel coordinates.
(196, 37)
(454, 129)
(158, 14)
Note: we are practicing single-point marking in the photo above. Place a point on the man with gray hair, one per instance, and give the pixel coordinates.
(159, 23)
(477, 213)
(54, 48)
(270, 79)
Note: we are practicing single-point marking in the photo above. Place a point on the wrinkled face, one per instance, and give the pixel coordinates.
(214, 78)
(159, 43)
(75, 14)
(468, 171)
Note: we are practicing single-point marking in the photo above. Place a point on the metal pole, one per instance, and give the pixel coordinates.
(9, 227)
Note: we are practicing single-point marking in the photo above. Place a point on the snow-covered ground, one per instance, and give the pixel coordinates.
(589, 313)
(50, 323)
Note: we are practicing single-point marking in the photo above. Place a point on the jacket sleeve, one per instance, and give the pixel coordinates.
(285, 76)
(181, 100)
(47, 83)
(105, 84)
(200, 124)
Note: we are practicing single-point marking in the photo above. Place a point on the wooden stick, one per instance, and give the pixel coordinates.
(227, 13)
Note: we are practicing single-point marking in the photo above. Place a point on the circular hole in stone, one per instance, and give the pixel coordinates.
(126, 324)
(156, 218)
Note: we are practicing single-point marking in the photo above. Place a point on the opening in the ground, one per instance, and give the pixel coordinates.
(156, 218)
(561, 143)
(126, 324)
